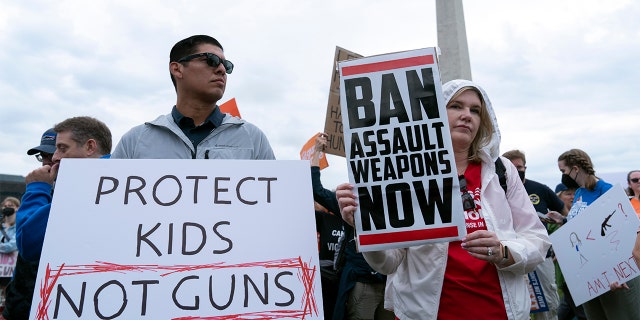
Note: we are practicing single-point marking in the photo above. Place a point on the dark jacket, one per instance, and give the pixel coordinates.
(19, 291)
(355, 268)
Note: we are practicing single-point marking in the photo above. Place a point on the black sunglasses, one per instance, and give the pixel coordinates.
(44, 156)
(212, 60)
(634, 180)
(467, 199)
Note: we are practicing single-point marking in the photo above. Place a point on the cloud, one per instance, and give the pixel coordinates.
(560, 75)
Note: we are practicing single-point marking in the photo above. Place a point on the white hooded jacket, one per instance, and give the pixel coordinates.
(417, 273)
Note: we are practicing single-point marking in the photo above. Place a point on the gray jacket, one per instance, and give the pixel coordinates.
(163, 139)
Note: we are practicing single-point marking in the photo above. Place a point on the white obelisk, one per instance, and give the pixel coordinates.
(452, 40)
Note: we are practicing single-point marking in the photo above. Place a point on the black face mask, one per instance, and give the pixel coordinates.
(521, 174)
(568, 181)
(8, 211)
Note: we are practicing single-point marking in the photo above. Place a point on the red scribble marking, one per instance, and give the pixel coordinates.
(251, 315)
(308, 298)
(306, 274)
(621, 209)
(413, 235)
(588, 236)
(614, 240)
(45, 292)
(387, 65)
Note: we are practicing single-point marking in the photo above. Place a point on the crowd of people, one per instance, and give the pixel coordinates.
(482, 276)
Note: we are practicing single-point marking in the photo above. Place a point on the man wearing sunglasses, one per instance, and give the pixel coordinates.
(44, 152)
(77, 137)
(196, 128)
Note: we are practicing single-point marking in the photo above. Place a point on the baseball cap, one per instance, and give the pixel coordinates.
(47, 143)
(561, 187)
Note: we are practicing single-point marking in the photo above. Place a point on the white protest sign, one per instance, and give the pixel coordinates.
(594, 248)
(398, 150)
(180, 239)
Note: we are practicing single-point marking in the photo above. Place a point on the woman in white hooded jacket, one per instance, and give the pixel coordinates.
(482, 276)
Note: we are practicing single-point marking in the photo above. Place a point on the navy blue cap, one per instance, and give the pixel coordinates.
(561, 187)
(47, 143)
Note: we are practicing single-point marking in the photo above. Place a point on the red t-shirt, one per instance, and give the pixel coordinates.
(471, 286)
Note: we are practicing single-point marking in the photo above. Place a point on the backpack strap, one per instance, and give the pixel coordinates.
(501, 171)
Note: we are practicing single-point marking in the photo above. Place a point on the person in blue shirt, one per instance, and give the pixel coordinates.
(578, 172)
(20, 289)
(77, 137)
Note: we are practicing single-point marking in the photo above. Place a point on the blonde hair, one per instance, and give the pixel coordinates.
(13, 200)
(579, 158)
(485, 130)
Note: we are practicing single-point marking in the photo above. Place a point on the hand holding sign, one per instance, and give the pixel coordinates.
(313, 150)
(184, 248)
(405, 148)
(594, 248)
(347, 202)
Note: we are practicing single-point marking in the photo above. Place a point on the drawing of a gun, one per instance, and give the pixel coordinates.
(605, 223)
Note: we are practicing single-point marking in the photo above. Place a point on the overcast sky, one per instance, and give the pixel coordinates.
(560, 74)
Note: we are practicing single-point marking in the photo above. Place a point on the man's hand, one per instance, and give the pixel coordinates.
(45, 173)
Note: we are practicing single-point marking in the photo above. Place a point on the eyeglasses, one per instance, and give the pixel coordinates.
(212, 60)
(467, 199)
(634, 180)
(44, 156)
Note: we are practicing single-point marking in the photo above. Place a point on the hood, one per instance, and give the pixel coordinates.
(453, 86)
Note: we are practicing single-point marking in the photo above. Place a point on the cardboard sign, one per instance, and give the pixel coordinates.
(180, 239)
(399, 151)
(594, 248)
(230, 107)
(8, 264)
(309, 148)
(333, 122)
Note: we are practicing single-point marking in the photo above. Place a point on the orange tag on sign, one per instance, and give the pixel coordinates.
(231, 108)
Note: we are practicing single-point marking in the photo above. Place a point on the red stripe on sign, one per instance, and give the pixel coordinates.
(413, 235)
(387, 65)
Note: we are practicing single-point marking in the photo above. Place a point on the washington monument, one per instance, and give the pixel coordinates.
(452, 40)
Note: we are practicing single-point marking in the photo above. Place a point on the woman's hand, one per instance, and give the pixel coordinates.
(485, 245)
(556, 217)
(347, 202)
(615, 286)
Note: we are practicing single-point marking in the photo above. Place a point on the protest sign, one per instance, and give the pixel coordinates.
(309, 148)
(538, 300)
(333, 122)
(180, 239)
(8, 263)
(594, 248)
(399, 152)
